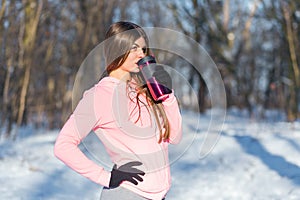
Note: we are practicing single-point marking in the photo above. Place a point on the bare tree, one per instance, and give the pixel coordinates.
(32, 13)
(291, 35)
(9, 32)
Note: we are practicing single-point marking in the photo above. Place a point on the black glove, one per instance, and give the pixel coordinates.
(163, 78)
(126, 172)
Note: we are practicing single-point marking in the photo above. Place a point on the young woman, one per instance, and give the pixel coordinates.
(134, 129)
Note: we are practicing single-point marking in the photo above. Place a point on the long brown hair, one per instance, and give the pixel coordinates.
(121, 36)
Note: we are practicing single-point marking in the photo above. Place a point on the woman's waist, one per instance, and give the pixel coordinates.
(153, 186)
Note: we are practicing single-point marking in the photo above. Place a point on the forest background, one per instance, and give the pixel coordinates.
(254, 44)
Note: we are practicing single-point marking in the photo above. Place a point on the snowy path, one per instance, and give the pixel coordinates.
(250, 161)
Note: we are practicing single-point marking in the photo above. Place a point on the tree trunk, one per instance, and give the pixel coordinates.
(7, 55)
(292, 107)
(32, 15)
(202, 94)
(2, 10)
(226, 15)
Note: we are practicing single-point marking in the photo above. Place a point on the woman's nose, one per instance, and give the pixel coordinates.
(141, 54)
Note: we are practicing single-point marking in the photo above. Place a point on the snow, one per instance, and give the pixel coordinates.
(251, 160)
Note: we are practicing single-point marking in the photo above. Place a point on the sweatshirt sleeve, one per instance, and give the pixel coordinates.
(173, 114)
(77, 127)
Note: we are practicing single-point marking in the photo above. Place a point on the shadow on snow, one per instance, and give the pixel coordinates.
(274, 162)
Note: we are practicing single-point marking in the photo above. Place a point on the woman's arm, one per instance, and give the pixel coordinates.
(173, 114)
(77, 127)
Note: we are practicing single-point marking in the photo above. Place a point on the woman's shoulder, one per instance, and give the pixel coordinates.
(106, 85)
(107, 82)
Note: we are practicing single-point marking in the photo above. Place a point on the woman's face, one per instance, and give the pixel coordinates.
(137, 52)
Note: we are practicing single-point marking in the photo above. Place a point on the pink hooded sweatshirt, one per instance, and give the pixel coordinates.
(128, 132)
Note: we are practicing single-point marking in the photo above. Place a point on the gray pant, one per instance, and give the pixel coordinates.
(119, 193)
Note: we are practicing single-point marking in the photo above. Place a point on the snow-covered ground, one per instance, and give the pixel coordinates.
(251, 160)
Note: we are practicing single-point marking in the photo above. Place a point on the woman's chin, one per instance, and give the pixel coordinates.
(135, 70)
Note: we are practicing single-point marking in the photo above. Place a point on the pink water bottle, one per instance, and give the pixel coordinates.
(147, 66)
